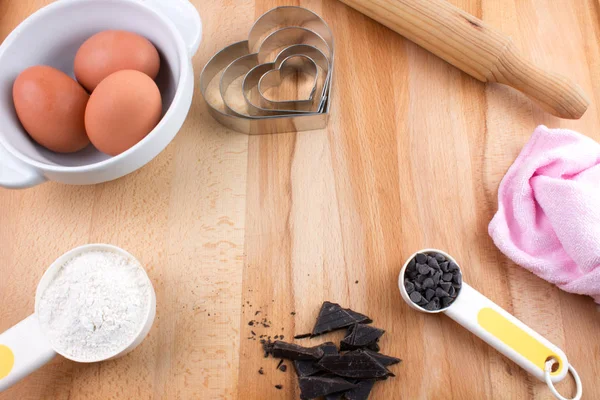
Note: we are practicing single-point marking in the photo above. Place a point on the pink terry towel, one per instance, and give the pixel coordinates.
(548, 218)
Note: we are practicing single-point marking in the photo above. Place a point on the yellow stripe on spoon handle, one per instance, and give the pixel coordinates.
(23, 349)
(506, 334)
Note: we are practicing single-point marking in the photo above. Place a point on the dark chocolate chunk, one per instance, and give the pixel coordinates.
(429, 294)
(444, 266)
(355, 364)
(446, 301)
(440, 257)
(292, 351)
(383, 359)
(415, 297)
(373, 347)
(315, 386)
(422, 268)
(432, 262)
(439, 292)
(361, 391)
(447, 277)
(308, 368)
(428, 283)
(409, 286)
(421, 258)
(332, 317)
(360, 335)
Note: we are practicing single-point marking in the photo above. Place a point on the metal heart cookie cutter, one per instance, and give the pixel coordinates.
(235, 82)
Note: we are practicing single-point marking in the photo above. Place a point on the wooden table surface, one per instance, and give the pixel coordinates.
(228, 225)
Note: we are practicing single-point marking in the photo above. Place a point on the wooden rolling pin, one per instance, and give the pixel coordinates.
(477, 49)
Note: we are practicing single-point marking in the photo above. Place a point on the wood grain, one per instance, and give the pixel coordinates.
(481, 51)
(228, 225)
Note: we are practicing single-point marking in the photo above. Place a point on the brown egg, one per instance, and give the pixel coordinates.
(111, 51)
(122, 110)
(51, 108)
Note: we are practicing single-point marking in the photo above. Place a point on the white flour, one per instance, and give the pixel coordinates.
(95, 305)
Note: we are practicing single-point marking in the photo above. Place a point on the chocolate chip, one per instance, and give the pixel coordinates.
(418, 286)
(451, 290)
(439, 292)
(423, 302)
(421, 278)
(446, 301)
(422, 268)
(429, 294)
(415, 297)
(411, 264)
(433, 305)
(457, 279)
(445, 286)
(447, 277)
(440, 257)
(444, 266)
(421, 258)
(428, 283)
(436, 277)
(452, 266)
(432, 262)
(409, 286)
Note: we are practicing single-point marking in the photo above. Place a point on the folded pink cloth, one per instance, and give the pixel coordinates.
(548, 218)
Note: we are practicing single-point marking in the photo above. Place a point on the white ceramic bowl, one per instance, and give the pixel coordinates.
(52, 36)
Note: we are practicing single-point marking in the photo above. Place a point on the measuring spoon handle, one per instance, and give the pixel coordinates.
(23, 349)
(506, 334)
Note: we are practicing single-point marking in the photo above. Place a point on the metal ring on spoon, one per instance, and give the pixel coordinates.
(501, 330)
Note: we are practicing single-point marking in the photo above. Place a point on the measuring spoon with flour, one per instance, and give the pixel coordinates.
(491, 323)
(94, 303)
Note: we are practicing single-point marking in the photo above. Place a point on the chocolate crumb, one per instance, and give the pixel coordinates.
(293, 313)
(283, 368)
(260, 371)
(279, 387)
(256, 313)
(251, 323)
(355, 281)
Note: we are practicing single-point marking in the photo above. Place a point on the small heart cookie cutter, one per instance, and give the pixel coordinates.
(283, 40)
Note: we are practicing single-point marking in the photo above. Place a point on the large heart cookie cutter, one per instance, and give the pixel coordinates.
(284, 37)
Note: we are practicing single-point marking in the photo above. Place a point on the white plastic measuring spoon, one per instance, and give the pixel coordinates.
(25, 347)
(502, 331)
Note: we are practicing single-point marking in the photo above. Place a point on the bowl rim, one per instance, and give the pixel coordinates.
(184, 70)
